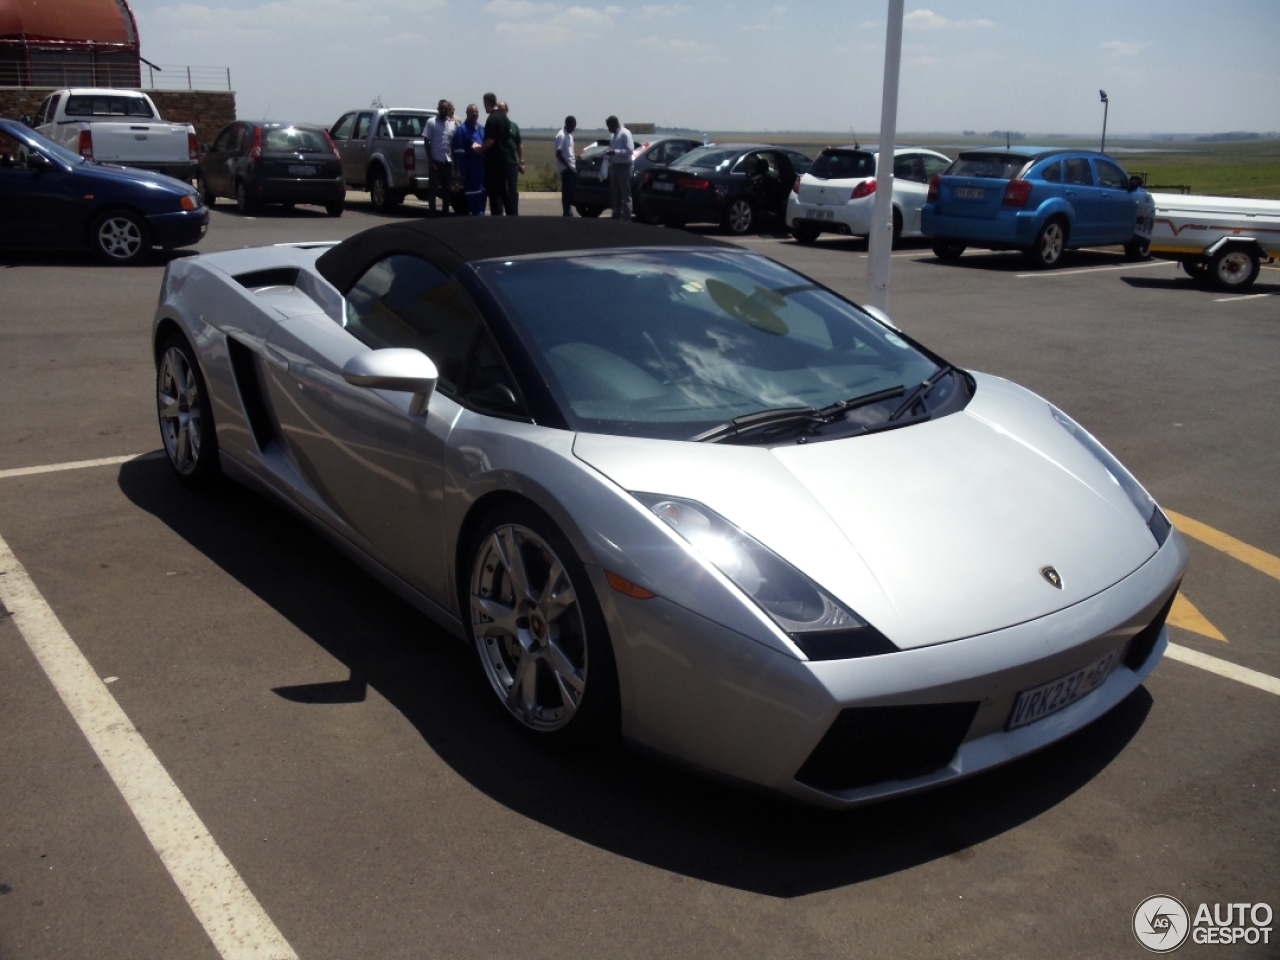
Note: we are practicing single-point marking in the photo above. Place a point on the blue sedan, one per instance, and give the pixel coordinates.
(51, 197)
(1042, 202)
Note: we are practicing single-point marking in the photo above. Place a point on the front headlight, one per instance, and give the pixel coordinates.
(815, 622)
(1142, 501)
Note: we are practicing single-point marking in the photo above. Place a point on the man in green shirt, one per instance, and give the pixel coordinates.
(515, 163)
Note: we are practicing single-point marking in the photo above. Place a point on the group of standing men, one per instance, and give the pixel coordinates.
(490, 159)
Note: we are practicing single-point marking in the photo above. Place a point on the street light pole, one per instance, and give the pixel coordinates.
(880, 242)
(1106, 105)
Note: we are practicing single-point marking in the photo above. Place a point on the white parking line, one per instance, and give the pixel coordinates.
(1068, 273)
(230, 914)
(1223, 668)
(77, 465)
(1246, 296)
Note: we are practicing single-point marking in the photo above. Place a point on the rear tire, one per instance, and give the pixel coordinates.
(1234, 268)
(739, 216)
(589, 211)
(185, 414)
(334, 208)
(897, 226)
(1197, 270)
(120, 237)
(805, 233)
(537, 628)
(1049, 246)
(948, 250)
(244, 203)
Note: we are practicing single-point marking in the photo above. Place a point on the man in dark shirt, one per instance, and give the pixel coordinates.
(497, 134)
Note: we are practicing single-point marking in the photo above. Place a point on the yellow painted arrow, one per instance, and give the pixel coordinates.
(1185, 615)
(1258, 559)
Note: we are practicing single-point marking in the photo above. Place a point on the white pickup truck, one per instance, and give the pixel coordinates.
(118, 126)
(1219, 240)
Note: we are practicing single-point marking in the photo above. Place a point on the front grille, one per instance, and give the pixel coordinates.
(1144, 641)
(867, 745)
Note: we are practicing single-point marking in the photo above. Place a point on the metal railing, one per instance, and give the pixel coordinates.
(1165, 187)
(85, 73)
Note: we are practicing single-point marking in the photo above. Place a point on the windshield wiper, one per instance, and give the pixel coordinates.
(762, 420)
(919, 393)
(844, 406)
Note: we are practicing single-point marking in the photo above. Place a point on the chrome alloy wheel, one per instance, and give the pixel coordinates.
(119, 237)
(740, 216)
(178, 400)
(529, 628)
(1052, 240)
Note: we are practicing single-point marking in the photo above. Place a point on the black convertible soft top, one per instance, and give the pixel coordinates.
(449, 242)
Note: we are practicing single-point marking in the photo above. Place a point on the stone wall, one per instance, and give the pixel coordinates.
(208, 110)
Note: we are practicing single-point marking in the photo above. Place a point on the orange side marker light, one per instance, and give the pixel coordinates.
(627, 588)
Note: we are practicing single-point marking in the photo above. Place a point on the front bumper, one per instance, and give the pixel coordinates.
(181, 228)
(713, 700)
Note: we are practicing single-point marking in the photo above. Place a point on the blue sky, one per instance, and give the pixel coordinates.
(1035, 66)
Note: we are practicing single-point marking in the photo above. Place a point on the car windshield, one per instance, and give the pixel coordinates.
(18, 149)
(296, 140)
(671, 343)
(707, 158)
(843, 165)
(992, 166)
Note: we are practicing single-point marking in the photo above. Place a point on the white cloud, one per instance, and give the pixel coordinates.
(1123, 48)
(513, 8)
(751, 27)
(654, 10)
(200, 22)
(928, 20)
(779, 9)
(556, 24)
(676, 45)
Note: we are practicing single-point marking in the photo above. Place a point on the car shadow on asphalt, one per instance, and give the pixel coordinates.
(1183, 282)
(10, 259)
(611, 798)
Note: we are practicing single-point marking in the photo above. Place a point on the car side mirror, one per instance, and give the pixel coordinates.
(394, 368)
(27, 120)
(1135, 182)
(878, 314)
(37, 161)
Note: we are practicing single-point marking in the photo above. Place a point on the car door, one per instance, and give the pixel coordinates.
(39, 205)
(1118, 206)
(1079, 189)
(354, 149)
(340, 133)
(375, 471)
(910, 187)
(218, 165)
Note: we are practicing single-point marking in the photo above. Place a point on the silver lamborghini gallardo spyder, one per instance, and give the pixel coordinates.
(670, 489)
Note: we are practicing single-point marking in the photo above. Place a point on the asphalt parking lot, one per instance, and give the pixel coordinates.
(343, 755)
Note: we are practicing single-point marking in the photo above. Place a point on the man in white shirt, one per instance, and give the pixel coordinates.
(621, 149)
(439, 140)
(566, 165)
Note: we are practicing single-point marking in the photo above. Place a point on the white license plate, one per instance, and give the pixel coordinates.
(819, 215)
(1039, 702)
(970, 193)
(302, 169)
(664, 185)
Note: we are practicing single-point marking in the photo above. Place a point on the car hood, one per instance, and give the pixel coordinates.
(933, 532)
(108, 171)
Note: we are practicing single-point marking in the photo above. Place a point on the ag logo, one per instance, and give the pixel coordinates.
(1161, 923)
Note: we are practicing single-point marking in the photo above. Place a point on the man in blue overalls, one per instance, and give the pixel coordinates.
(470, 163)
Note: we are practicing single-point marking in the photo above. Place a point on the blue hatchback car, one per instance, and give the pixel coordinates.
(51, 197)
(1036, 200)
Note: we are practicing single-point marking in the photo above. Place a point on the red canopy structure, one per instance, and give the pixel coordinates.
(63, 43)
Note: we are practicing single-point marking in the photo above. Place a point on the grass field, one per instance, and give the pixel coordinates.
(1243, 169)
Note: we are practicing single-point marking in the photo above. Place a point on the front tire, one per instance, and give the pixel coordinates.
(245, 203)
(538, 629)
(1049, 245)
(739, 216)
(383, 198)
(589, 211)
(1137, 249)
(185, 414)
(897, 226)
(1234, 268)
(120, 237)
(207, 196)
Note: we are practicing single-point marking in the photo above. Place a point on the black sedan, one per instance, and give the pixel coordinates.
(738, 185)
(257, 162)
(591, 195)
(51, 197)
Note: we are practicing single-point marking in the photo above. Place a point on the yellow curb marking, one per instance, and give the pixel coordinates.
(1185, 615)
(1258, 559)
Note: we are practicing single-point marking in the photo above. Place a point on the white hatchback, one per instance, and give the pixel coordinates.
(838, 192)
